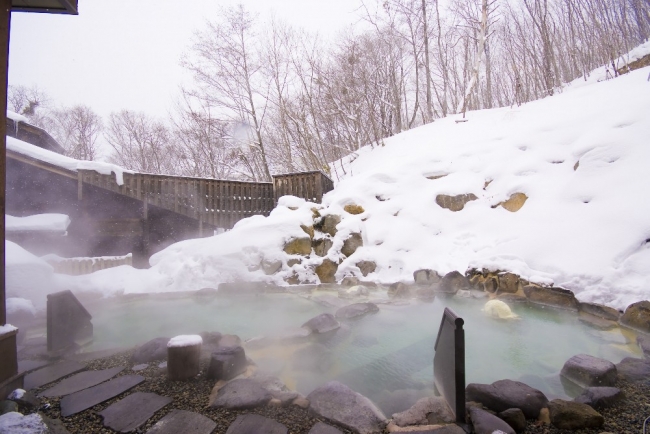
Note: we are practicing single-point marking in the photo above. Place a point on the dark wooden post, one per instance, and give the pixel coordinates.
(5, 25)
(145, 227)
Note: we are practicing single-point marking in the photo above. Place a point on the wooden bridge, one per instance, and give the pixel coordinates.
(146, 212)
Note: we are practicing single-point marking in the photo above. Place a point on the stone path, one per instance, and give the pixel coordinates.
(255, 424)
(30, 365)
(92, 396)
(182, 421)
(81, 381)
(133, 411)
(51, 373)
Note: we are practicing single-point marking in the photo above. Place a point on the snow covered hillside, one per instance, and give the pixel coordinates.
(580, 158)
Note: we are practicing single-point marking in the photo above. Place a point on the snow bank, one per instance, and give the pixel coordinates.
(28, 276)
(16, 117)
(68, 163)
(15, 305)
(38, 222)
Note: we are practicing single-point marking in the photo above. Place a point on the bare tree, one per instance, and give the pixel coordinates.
(225, 62)
(140, 142)
(77, 129)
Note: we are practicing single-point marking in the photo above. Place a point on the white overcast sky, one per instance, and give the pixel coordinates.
(124, 54)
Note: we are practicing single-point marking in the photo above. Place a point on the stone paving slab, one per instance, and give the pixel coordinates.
(92, 396)
(133, 411)
(30, 365)
(186, 422)
(255, 424)
(51, 373)
(81, 381)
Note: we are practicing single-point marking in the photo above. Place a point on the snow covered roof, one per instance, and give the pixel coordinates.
(37, 223)
(40, 154)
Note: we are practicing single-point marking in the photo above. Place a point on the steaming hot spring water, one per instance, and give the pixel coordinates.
(386, 356)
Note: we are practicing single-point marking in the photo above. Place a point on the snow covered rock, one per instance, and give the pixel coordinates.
(298, 246)
(366, 267)
(326, 271)
(328, 224)
(498, 309)
(351, 244)
(322, 246)
(587, 371)
(454, 203)
(16, 423)
(452, 282)
(338, 404)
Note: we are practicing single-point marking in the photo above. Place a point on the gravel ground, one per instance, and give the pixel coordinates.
(187, 395)
(625, 418)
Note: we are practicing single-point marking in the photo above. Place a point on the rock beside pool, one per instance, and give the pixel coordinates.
(587, 371)
(323, 428)
(487, 423)
(426, 277)
(600, 397)
(338, 404)
(155, 349)
(323, 323)
(399, 290)
(504, 394)
(555, 297)
(515, 418)
(241, 394)
(227, 363)
(633, 369)
(429, 410)
(356, 310)
(573, 415)
(354, 292)
(452, 282)
(599, 310)
(644, 344)
(637, 316)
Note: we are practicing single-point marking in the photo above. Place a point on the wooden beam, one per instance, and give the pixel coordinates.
(5, 25)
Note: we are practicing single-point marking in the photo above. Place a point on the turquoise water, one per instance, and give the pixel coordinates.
(386, 356)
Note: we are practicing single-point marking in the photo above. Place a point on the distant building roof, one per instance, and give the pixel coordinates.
(21, 130)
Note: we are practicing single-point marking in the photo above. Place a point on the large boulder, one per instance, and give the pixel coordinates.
(504, 394)
(340, 405)
(587, 371)
(632, 369)
(426, 277)
(323, 323)
(356, 310)
(298, 246)
(155, 349)
(555, 297)
(241, 394)
(429, 410)
(600, 397)
(351, 244)
(452, 282)
(487, 423)
(637, 316)
(227, 362)
(644, 344)
(573, 415)
(400, 290)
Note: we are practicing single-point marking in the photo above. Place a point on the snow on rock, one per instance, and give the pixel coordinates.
(59, 160)
(16, 394)
(28, 276)
(15, 423)
(38, 222)
(185, 341)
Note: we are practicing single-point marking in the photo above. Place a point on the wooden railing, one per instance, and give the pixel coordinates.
(212, 201)
(310, 186)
